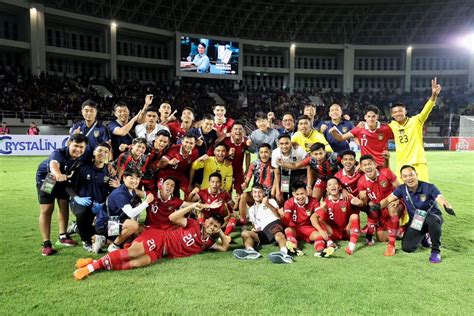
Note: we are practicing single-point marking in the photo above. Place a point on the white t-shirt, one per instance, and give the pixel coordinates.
(140, 131)
(296, 155)
(260, 215)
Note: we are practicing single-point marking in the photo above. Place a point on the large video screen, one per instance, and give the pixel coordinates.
(210, 58)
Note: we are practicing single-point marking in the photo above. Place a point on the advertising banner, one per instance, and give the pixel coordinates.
(31, 145)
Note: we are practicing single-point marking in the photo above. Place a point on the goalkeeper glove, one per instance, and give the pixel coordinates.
(84, 201)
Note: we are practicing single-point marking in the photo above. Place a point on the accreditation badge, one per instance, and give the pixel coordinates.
(113, 226)
(418, 219)
(285, 184)
(96, 134)
(48, 184)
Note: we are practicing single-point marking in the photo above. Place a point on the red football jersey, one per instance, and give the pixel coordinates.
(158, 211)
(238, 158)
(184, 164)
(177, 132)
(349, 182)
(337, 212)
(187, 241)
(225, 127)
(380, 188)
(298, 215)
(207, 198)
(373, 142)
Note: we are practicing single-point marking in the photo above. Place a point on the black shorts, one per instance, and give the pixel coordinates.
(267, 235)
(59, 192)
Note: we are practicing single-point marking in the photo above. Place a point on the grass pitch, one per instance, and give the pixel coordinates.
(216, 283)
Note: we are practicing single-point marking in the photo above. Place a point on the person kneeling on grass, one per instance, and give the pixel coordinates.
(116, 220)
(338, 217)
(421, 199)
(268, 228)
(152, 244)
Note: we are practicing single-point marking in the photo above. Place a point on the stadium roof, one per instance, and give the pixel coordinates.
(317, 21)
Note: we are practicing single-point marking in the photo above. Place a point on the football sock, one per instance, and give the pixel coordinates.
(371, 223)
(351, 245)
(319, 244)
(115, 260)
(354, 231)
(230, 226)
(393, 226)
(291, 237)
(284, 250)
(250, 248)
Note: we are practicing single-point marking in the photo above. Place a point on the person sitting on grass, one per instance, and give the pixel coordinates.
(152, 244)
(217, 201)
(116, 221)
(267, 227)
(338, 217)
(421, 199)
(301, 222)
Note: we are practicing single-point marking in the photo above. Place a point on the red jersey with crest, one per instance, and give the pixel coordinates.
(373, 142)
(187, 241)
(158, 211)
(298, 215)
(177, 132)
(327, 168)
(184, 164)
(349, 182)
(337, 212)
(381, 187)
(224, 127)
(207, 198)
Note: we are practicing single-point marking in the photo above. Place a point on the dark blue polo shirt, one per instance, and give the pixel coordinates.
(118, 140)
(282, 131)
(66, 163)
(98, 135)
(92, 182)
(423, 198)
(119, 197)
(209, 139)
(343, 127)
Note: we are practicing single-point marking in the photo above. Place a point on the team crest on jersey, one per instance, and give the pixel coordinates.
(380, 135)
(344, 129)
(343, 208)
(308, 212)
(422, 197)
(383, 184)
(96, 134)
(170, 208)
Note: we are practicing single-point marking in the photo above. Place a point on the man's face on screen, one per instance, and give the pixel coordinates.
(201, 49)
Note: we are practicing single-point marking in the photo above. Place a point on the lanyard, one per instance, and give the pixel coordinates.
(291, 160)
(91, 129)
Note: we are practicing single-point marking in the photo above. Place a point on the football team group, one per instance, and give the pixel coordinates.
(306, 185)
